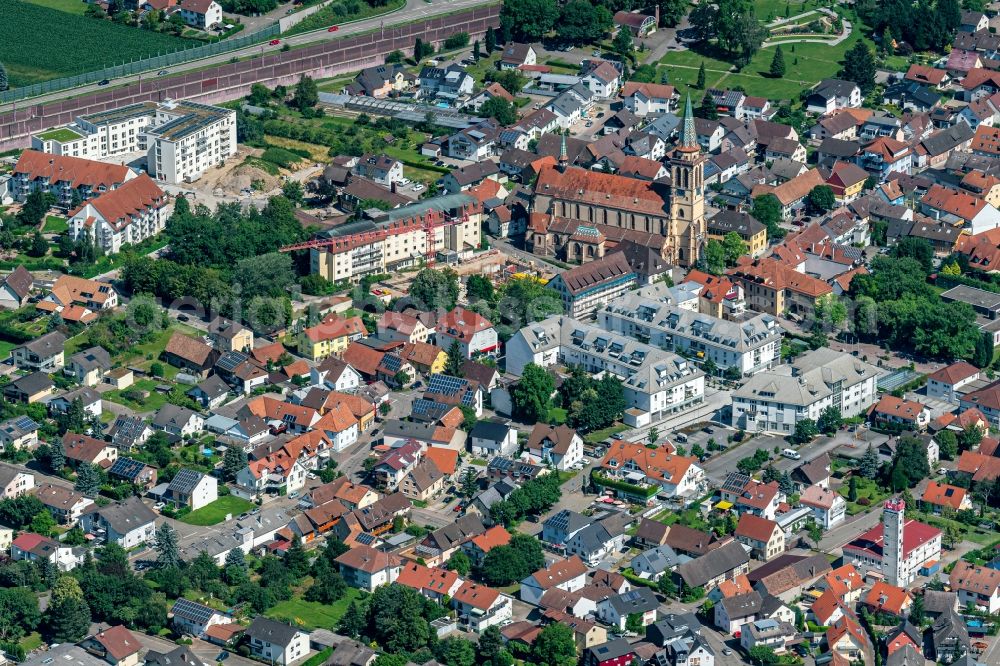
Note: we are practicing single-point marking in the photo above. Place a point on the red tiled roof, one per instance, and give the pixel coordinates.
(756, 528)
(943, 494)
(924, 74)
(132, 199)
(604, 189)
(987, 140)
(118, 641)
(915, 534)
(884, 596)
(74, 170)
(954, 373)
(477, 596)
(891, 406)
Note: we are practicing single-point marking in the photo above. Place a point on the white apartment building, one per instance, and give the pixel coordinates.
(656, 382)
(443, 227)
(751, 346)
(181, 139)
(130, 214)
(775, 401)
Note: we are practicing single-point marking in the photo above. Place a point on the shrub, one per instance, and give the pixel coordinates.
(864, 501)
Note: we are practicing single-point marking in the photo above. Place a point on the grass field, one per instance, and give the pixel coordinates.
(56, 225)
(69, 44)
(215, 512)
(311, 614)
(806, 63)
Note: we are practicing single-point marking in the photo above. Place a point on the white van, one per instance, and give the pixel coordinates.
(791, 453)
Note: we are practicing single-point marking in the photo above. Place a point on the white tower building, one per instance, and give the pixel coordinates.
(894, 566)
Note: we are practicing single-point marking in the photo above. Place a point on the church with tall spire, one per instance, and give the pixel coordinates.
(687, 191)
(580, 215)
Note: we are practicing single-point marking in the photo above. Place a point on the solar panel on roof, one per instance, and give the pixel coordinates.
(230, 360)
(193, 611)
(25, 423)
(126, 468)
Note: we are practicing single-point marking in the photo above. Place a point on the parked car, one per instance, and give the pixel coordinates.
(419, 187)
(274, 42)
(162, 72)
(222, 656)
(333, 28)
(310, 475)
(791, 454)
(104, 82)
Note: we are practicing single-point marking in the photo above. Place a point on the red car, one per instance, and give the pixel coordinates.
(333, 28)
(274, 42)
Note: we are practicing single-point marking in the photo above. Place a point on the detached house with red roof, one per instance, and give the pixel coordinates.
(61, 176)
(473, 333)
(895, 412)
(942, 497)
(480, 607)
(765, 539)
(644, 99)
(129, 214)
(115, 645)
(976, 585)
(366, 568)
(960, 208)
(945, 383)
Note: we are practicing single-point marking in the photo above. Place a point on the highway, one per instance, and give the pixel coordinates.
(414, 10)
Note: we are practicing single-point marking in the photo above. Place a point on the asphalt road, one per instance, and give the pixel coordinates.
(413, 10)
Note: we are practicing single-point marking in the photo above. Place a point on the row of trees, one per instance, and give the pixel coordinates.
(575, 22)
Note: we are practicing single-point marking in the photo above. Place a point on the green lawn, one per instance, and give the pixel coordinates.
(767, 9)
(152, 403)
(61, 134)
(556, 415)
(6, 348)
(216, 511)
(311, 614)
(600, 435)
(56, 225)
(32, 641)
(866, 489)
(807, 64)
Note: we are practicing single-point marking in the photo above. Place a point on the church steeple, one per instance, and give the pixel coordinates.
(689, 136)
(563, 154)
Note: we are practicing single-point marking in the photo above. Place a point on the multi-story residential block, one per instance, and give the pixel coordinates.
(181, 139)
(656, 382)
(67, 178)
(400, 238)
(946, 383)
(129, 214)
(773, 402)
(776, 288)
(747, 347)
(584, 289)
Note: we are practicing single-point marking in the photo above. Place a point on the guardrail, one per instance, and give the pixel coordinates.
(139, 66)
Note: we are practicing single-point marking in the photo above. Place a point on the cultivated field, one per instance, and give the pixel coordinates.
(39, 43)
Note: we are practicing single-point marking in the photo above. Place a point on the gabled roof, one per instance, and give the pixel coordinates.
(945, 495)
(559, 572)
(73, 170)
(756, 528)
(713, 564)
(118, 641)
